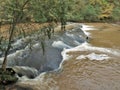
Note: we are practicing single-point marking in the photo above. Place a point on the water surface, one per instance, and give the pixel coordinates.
(92, 65)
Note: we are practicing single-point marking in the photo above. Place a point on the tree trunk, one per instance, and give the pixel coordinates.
(16, 18)
(9, 46)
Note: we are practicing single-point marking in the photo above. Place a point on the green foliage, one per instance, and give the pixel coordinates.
(56, 10)
(7, 77)
(89, 13)
(116, 14)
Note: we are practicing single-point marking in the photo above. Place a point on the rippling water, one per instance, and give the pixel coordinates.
(87, 66)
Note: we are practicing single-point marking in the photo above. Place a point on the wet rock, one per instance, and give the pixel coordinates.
(25, 71)
(7, 77)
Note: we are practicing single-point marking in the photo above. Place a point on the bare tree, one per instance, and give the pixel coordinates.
(16, 17)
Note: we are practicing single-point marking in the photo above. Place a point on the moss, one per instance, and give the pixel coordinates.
(8, 76)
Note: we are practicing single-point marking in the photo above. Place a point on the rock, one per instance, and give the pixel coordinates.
(25, 71)
(7, 77)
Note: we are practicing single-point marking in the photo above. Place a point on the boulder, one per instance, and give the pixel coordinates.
(7, 77)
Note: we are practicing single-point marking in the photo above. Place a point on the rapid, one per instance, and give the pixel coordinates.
(85, 57)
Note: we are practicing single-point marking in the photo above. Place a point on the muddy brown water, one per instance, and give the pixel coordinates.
(85, 74)
(94, 75)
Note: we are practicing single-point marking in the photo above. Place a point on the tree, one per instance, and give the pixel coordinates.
(116, 14)
(89, 13)
(16, 14)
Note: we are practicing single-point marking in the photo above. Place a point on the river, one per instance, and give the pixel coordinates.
(88, 60)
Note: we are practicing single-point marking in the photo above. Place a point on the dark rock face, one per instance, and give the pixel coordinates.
(7, 77)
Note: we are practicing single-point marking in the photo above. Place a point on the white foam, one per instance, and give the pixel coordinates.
(76, 42)
(87, 47)
(18, 42)
(69, 35)
(86, 28)
(94, 56)
(39, 78)
(65, 55)
(12, 57)
(26, 71)
(37, 45)
(60, 45)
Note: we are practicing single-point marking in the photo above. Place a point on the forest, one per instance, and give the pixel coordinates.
(53, 10)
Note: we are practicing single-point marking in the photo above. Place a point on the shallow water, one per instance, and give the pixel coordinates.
(89, 66)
